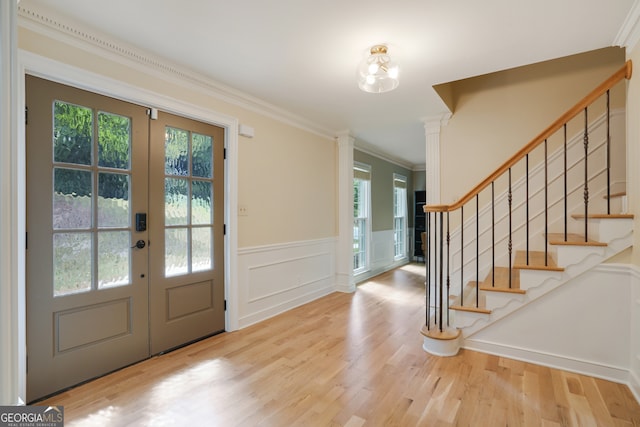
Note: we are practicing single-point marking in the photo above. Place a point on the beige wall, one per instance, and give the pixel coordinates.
(287, 180)
(633, 151)
(496, 114)
(286, 176)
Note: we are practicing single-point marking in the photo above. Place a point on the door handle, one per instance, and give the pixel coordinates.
(139, 244)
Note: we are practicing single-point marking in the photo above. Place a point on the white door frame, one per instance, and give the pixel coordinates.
(12, 296)
(39, 66)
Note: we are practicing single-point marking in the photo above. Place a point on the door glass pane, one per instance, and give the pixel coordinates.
(114, 140)
(202, 156)
(175, 201)
(71, 263)
(71, 199)
(72, 133)
(201, 212)
(176, 247)
(114, 258)
(113, 200)
(188, 201)
(176, 149)
(202, 241)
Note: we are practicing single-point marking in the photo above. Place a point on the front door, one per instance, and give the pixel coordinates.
(124, 256)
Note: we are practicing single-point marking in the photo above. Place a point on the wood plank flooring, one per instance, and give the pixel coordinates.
(344, 360)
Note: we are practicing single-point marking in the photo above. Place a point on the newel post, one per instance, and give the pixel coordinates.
(438, 339)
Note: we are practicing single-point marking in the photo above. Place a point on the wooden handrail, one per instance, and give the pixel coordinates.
(623, 73)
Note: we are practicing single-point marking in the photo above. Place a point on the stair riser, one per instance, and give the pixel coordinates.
(497, 300)
(530, 279)
(618, 204)
(570, 255)
(606, 230)
(466, 319)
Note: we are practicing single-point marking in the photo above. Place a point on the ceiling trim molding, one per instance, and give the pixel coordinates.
(433, 124)
(629, 33)
(117, 51)
(375, 152)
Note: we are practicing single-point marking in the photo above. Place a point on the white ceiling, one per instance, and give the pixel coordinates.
(301, 55)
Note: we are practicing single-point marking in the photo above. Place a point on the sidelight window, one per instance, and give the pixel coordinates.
(399, 216)
(361, 217)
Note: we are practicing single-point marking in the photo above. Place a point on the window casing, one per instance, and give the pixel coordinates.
(399, 216)
(361, 217)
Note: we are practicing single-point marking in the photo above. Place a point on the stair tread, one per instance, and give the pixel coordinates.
(572, 239)
(613, 195)
(536, 261)
(472, 309)
(501, 282)
(603, 216)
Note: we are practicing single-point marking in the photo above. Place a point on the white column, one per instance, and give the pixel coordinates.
(11, 377)
(344, 261)
(432, 127)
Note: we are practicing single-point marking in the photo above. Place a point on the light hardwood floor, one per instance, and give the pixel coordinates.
(344, 360)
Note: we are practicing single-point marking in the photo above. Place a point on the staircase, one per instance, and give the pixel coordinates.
(548, 224)
(567, 260)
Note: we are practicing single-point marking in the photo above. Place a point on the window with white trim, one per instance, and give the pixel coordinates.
(361, 216)
(399, 216)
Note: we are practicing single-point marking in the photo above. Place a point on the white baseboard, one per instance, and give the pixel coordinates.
(344, 283)
(281, 307)
(611, 373)
(634, 386)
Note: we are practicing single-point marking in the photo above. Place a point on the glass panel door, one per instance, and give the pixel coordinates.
(95, 301)
(187, 177)
(87, 287)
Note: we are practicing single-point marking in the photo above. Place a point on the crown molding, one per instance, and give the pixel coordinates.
(629, 33)
(74, 34)
(433, 124)
(373, 151)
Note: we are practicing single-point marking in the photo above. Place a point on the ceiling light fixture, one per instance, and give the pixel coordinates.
(377, 73)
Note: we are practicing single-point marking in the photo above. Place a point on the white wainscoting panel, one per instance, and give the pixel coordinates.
(276, 278)
(583, 326)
